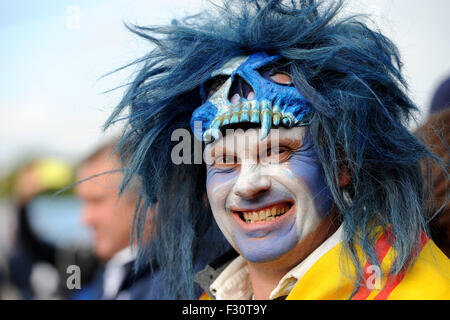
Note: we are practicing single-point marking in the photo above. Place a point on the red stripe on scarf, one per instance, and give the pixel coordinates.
(394, 281)
(382, 247)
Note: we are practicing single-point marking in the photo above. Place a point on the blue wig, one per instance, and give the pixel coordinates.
(349, 73)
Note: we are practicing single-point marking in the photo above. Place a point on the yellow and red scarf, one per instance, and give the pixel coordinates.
(329, 279)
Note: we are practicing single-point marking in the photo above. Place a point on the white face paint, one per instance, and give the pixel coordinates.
(266, 196)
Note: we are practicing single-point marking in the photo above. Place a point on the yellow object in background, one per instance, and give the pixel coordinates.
(52, 174)
(42, 175)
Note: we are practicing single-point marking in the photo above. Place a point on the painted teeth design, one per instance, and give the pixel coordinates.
(255, 111)
(268, 214)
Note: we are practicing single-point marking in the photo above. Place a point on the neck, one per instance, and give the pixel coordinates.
(265, 276)
(264, 279)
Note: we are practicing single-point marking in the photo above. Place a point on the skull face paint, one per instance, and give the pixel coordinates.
(267, 191)
(266, 199)
(255, 89)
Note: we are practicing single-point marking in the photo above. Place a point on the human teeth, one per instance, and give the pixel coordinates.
(283, 210)
(268, 214)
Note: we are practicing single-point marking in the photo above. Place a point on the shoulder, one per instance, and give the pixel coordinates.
(427, 278)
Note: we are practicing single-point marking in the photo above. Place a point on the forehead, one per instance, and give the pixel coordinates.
(97, 174)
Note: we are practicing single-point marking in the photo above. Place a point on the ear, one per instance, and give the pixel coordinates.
(344, 177)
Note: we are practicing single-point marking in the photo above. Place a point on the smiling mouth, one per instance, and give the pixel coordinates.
(265, 214)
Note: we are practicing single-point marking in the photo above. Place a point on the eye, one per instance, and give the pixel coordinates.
(276, 155)
(280, 77)
(214, 84)
(279, 151)
(226, 161)
(277, 72)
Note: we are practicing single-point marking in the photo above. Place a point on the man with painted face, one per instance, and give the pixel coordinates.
(267, 189)
(309, 170)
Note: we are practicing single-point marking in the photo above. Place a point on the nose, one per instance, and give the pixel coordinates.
(240, 89)
(251, 184)
(87, 215)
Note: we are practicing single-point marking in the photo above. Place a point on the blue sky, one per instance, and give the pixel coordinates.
(51, 100)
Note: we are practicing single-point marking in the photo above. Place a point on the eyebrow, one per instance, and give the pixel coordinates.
(289, 142)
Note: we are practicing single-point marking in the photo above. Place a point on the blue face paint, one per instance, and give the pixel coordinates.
(247, 92)
(305, 170)
(217, 178)
(267, 243)
(306, 166)
(289, 173)
(298, 181)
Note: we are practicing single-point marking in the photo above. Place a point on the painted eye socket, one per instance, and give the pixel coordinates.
(276, 155)
(225, 162)
(281, 77)
(277, 72)
(214, 84)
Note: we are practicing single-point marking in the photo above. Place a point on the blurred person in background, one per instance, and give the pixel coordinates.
(110, 216)
(441, 98)
(47, 238)
(436, 133)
